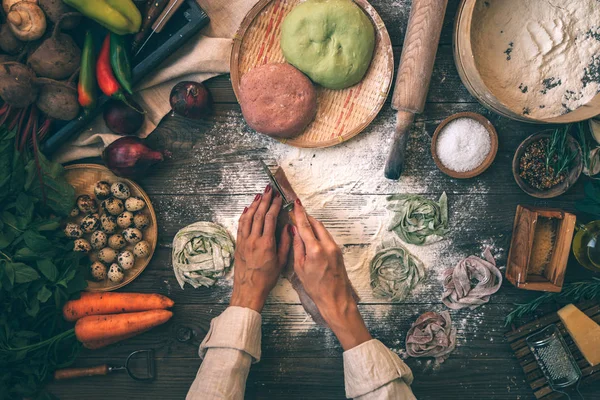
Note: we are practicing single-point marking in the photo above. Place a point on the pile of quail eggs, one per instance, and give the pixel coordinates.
(111, 232)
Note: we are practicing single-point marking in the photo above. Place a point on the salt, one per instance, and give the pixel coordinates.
(463, 145)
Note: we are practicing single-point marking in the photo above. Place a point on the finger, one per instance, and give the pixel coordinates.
(299, 248)
(272, 215)
(259, 216)
(245, 223)
(285, 242)
(303, 225)
(320, 231)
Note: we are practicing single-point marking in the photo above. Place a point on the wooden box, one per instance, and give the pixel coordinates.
(519, 267)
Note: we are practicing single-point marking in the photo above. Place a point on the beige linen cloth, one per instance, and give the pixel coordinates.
(201, 58)
(233, 343)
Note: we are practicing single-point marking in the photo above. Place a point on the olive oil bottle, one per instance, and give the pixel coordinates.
(586, 245)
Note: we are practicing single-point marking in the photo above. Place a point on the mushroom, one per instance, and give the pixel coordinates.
(7, 4)
(27, 21)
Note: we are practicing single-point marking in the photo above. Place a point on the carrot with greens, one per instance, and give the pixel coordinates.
(97, 328)
(113, 303)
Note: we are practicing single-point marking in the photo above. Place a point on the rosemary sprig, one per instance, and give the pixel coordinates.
(589, 162)
(573, 292)
(559, 155)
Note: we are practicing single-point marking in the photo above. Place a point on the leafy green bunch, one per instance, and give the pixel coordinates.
(39, 271)
(559, 155)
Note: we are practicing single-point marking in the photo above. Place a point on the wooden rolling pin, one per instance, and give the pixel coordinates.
(414, 74)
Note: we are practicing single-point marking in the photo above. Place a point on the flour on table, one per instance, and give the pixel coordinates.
(540, 58)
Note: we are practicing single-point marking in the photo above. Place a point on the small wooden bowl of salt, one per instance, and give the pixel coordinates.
(464, 145)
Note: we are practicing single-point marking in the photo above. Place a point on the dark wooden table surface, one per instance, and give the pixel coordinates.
(215, 169)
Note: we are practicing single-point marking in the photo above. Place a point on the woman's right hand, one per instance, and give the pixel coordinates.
(319, 264)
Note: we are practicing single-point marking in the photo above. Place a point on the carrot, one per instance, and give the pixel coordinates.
(98, 344)
(104, 327)
(113, 303)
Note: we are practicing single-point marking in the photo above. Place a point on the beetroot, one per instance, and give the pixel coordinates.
(57, 99)
(16, 84)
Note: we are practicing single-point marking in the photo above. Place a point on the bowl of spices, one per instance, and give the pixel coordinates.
(464, 145)
(547, 164)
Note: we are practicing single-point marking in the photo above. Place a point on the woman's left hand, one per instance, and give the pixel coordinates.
(258, 257)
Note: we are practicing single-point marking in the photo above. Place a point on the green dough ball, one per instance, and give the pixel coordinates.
(331, 41)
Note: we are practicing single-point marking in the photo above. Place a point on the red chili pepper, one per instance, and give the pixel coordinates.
(104, 73)
(108, 83)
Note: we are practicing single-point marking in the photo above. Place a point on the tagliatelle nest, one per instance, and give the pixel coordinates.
(417, 220)
(202, 253)
(395, 272)
(431, 335)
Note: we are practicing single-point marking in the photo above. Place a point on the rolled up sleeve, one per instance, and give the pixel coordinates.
(231, 345)
(372, 371)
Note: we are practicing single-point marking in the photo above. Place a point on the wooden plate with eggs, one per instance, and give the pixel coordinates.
(83, 177)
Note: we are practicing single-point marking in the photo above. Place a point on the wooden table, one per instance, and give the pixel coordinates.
(215, 167)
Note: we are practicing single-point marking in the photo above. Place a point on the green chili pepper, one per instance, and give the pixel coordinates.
(86, 88)
(118, 16)
(119, 61)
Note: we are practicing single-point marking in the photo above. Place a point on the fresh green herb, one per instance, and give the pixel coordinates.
(559, 155)
(573, 292)
(590, 160)
(39, 271)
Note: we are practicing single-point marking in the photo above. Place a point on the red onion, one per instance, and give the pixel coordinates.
(123, 119)
(190, 100)
(130, 157)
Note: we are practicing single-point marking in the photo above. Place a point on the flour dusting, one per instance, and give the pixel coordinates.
(541, 58)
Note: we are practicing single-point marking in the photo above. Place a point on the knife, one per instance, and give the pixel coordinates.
(162, 19)
(287, 205)
(414, 74)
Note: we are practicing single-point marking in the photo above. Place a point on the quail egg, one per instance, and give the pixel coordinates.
(74, 212)
(102, 190)
(98, 240)
(113, 206)
(125, 219)
(90, 223)
(126, 260)
(117, 241)
(141, 221)
(132, 235)
(107, 255)
(108, 223)
(115, 273)
(134, 203)
(142, 249)
(86, 204)
(73, 231)
(120, 190)
(82, 246)
(99, 271)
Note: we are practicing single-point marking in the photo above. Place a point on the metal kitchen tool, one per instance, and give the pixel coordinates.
(69, 373)
(555, 360)
(414, 74)
(162, 19)
(287, 205)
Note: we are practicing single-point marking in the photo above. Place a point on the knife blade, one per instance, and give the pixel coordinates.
(167, 12)
(287, 205)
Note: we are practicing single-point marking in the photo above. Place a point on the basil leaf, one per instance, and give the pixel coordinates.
(36, 242)
(48, 269)
(24, 273)
(44, 294)
(9, 271)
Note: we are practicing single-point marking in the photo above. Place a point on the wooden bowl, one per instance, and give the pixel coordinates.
(341, 114)
(83, 177)
(554, 191)
(488, 160)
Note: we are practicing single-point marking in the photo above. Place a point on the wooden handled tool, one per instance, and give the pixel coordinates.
(69, 373)
(414, 74)
(166, 15)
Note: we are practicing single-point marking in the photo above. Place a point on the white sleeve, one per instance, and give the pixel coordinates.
(230, 347)
(374, 372)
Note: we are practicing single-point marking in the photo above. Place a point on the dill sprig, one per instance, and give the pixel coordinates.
(559, 155)
(573, 292)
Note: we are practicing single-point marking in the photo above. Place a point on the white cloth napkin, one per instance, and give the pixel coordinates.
(203, 57)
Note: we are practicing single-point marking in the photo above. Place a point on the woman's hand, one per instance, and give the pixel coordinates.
(258, 259)
(319, 264)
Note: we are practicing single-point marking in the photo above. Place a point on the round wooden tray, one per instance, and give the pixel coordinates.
(488, 160)
(83, 177)
(341, 114)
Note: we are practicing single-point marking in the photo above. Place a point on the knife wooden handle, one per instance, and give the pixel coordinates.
(167, 13)
(70, 373)
(418, 54)
(397, 157)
